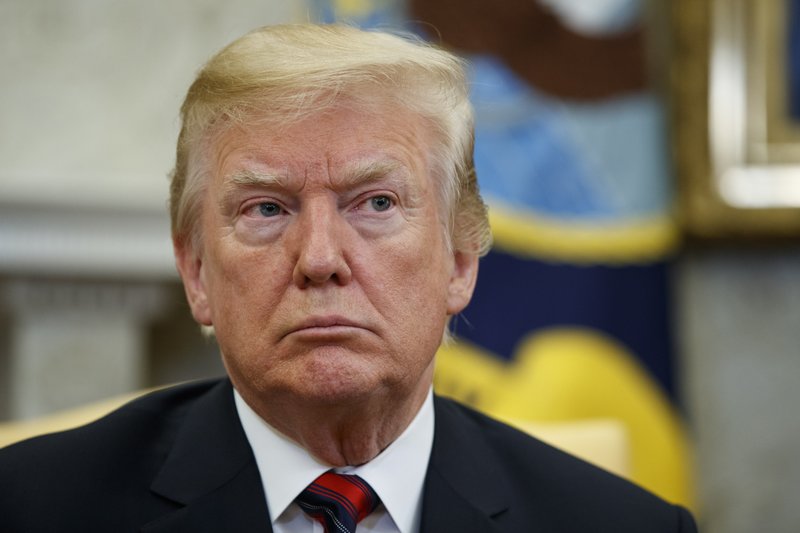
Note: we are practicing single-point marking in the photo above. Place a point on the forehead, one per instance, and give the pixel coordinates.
(336, 142)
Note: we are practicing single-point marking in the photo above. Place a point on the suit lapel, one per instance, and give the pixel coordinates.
(462, 490)
(444, 508)
(211, 473)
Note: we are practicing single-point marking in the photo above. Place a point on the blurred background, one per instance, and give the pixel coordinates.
(641, 161)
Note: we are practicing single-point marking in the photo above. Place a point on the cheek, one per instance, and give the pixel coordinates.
(411, 278)
(246, 285)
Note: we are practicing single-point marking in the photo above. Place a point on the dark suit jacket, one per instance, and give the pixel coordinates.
(178, 461)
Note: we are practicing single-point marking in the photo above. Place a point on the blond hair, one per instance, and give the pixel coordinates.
(284, 73)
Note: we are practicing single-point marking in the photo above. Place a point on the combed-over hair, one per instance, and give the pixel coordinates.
(284, 73)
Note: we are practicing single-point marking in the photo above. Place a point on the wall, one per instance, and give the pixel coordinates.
(738, 315)
(90, 304)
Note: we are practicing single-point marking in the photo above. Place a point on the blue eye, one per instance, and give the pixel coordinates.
(269, 209)
(381, 203)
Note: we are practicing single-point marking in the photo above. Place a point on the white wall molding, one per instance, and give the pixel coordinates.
(59, 240)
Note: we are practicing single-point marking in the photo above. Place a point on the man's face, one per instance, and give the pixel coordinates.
(324, 269)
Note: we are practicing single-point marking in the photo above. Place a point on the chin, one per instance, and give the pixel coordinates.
(331, 382)
(323, 377)
(337, 396)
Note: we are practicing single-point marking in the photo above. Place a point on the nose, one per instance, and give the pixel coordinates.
(321, 240)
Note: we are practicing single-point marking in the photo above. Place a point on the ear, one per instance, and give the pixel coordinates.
(462, 281)
(190, 268)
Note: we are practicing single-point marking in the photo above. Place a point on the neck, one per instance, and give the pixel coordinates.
(347, 433)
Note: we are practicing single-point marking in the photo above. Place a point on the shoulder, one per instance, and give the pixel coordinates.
(568, 491)
(146, 416)
(110, 456)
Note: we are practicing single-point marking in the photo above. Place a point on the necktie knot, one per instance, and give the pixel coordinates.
(338, 501)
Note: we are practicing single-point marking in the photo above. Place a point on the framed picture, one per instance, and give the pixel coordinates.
(735, 95)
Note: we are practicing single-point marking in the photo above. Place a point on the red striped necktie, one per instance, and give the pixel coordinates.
(338, 501)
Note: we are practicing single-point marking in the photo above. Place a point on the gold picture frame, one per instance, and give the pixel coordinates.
(737, 152)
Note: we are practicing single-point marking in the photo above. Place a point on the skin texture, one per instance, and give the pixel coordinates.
(326, 275)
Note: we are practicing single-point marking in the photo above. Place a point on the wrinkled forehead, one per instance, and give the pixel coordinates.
(368, 122)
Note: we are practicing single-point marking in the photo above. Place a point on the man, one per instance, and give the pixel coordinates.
(327, 224)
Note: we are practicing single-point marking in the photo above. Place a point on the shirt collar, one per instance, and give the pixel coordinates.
(397, 474)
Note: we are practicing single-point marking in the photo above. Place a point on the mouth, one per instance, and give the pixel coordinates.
(326, 326)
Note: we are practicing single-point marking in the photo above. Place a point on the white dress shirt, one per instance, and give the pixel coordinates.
(397, 474)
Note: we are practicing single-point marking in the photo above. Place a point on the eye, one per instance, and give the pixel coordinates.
(381, 203)
(269, 209)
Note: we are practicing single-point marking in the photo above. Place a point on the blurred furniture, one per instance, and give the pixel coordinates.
(11, 432)
(603, 442)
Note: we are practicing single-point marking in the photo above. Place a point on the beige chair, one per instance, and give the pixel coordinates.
(11, 432)
(603, 442)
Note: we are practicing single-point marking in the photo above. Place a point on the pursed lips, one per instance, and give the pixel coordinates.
(330, 324)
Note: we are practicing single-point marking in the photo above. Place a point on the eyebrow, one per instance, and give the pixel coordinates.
(250, 177)
(360, 172)
(353, 174)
